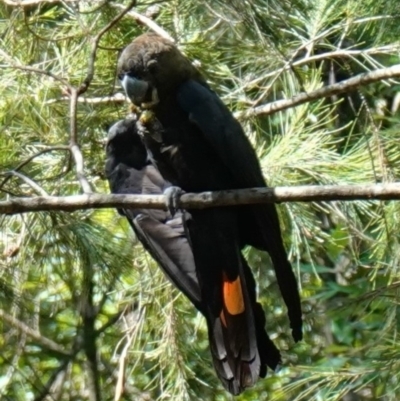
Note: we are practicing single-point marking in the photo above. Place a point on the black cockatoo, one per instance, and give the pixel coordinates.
(129, 171)
(240, 346)
(203, 147)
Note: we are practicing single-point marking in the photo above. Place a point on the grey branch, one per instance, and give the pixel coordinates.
(39, 190)
(73, 144)
(144, 20)
(95, 44)
(311, 193)
(330, 90)
(35, 335)
(76, 92)
(79, 167)
(117, 98)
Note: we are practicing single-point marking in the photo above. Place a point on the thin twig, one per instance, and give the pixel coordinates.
(52, 389)
(76, 92)
(37, 71)
(74, 147)
(7, 378)
(35, 335)
(97, 7)
(339, 53)
(110, 322)
(249, 196)
(131, 393)
(95, 42)
(116, 98)
(41, 152)
(77, 154)
(142, 19)
(330, 90)
(54, 385)
(17, 66)
(37, 188)
(30, 158)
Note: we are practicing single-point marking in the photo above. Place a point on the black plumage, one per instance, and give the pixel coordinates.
(129, 172)
(240, 346)
(203, 147)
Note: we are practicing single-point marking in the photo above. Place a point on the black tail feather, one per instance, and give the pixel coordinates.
(240, 347)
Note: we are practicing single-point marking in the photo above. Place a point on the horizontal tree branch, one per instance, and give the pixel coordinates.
(202, 200)
(326, 91)
(116, 98)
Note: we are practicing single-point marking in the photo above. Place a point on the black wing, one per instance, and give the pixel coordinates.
(129, 172)
(225, 135)
(164, 236)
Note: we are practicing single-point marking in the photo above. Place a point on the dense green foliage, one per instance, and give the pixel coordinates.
(82, 305)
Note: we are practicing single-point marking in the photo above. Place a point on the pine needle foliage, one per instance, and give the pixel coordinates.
(84, 308)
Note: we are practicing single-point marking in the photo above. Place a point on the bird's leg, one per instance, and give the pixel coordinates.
(172, 197)
(153, 102)
(149, 125)
(135, 110)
